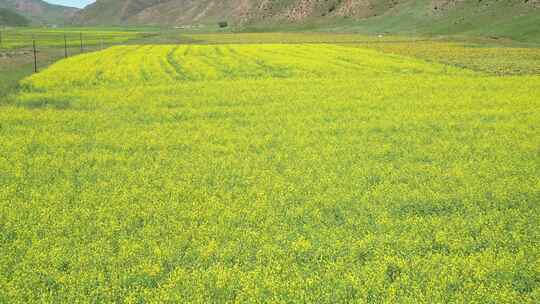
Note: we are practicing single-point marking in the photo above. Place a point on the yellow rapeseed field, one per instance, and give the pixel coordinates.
(269, 173)
(489, 59)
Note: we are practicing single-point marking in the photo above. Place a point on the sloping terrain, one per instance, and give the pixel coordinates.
(39, 12)
(516, 19)
(513, 19)
(237, 11)
(11, 18)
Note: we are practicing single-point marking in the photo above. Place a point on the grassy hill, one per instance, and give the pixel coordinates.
(11, 18)
(512, 19)
(516, 19)
(176, 12)
(38, 11)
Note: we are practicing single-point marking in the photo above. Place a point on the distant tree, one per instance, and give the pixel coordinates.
(223, 24)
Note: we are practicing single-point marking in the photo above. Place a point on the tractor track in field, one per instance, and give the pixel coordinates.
(280, 71)
(145, 74)
(167, 66)
(178, 72)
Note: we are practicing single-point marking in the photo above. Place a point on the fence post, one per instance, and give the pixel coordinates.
(35, 55)
(65, 46)
(82, 49)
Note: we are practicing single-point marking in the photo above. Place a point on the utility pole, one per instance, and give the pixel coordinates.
(82, 49)
(35, 56)
(65, 46)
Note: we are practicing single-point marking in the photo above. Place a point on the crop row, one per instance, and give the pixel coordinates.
(168, 64)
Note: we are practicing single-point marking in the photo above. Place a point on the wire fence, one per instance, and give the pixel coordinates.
(43, 48)
(49, 45)
(16, 39)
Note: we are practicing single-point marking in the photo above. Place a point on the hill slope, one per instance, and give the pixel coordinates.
(195, 11)
(516, 19)
(11, 18)
(256, 11)
(39, 12)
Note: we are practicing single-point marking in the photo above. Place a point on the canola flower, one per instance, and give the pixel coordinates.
(294, 38)
(22, 38)
(269, 173)
(492, 60)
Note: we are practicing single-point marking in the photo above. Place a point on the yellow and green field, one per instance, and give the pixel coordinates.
(16, 38)
(301, 173)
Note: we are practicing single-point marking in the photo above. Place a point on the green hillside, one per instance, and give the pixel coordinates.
(39, 12)
(10, 18)
(515, 19)
(518, 20)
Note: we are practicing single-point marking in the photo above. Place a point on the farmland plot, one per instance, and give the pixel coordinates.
(270, 173)
(21, 37)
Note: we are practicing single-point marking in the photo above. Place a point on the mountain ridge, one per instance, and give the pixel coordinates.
(181, 12)
(515, 19)
(40, 12)
(11, 18)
